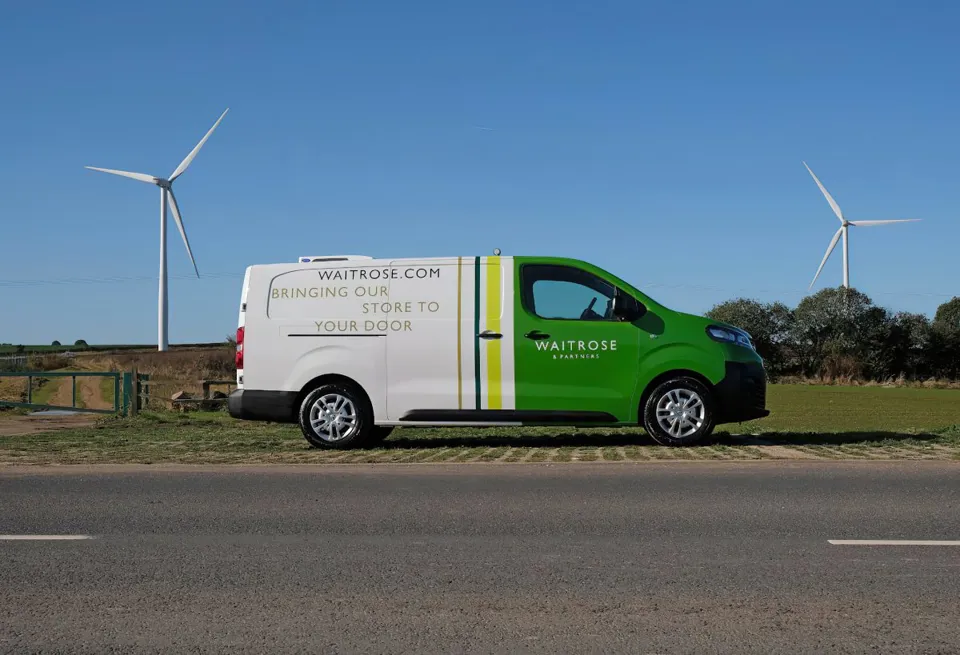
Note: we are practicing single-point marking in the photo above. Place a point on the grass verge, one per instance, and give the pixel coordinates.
(215, 438)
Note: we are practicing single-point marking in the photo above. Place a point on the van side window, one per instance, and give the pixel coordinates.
(564, 292)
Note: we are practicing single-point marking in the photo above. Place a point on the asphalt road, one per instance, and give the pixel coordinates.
(648, 558)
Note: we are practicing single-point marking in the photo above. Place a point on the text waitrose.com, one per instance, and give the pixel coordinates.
(379, 273)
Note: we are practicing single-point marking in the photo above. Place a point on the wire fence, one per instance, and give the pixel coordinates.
(13, 363)
(168, 394)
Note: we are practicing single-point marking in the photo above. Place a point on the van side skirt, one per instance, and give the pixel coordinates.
(525, 416)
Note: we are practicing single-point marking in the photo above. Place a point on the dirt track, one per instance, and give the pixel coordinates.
(15, 425)
(88, 396)
(62, 396)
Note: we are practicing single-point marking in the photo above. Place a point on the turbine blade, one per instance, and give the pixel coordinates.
(826, 194)
(136, 176)
(193, 153)
(833, 244)
(183, 233)
(896, 220)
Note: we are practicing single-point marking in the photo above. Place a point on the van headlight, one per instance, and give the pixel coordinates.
(726, 335)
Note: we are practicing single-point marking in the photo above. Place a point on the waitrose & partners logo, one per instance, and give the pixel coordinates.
(577, 349)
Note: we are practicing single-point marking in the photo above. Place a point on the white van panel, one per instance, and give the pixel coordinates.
(422, 358)
(361, 359)
(405, 330)
(308, 320)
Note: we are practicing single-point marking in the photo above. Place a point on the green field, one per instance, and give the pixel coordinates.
(807, 422)
(809, 408)
(49, 350)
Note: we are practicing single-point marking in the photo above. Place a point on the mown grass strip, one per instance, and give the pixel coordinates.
(543, 455)
(428, 454)
(587, 455)
(214, 437)
(611, 454)
(517, 454)
(493, 454)
(634, 453)
(564, 454)
(468, 454)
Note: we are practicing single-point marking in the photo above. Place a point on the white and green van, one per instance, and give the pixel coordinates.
(351, 346)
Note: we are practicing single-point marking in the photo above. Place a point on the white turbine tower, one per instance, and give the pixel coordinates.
(166, 195)
(844, 226)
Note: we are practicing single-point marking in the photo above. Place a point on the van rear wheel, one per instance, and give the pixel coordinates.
(335, 416)
(679, 412)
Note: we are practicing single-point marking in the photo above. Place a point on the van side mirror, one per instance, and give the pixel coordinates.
(627, 308)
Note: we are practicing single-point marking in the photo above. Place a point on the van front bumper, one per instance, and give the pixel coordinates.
(253, 405)
(742, 393)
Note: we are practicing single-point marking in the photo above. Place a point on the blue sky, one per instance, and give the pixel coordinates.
(662, 141)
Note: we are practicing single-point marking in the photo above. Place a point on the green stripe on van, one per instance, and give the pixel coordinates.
(476, 326)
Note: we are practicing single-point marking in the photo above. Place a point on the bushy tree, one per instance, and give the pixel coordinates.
(943, 351)
(56, 343)
(80, 342)
(841, 333)
(947, 317)
(909, 342)
(769, 324)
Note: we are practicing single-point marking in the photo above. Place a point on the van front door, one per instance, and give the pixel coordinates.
(575, 361)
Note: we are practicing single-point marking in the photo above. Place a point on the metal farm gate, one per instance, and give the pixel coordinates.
(125, 388)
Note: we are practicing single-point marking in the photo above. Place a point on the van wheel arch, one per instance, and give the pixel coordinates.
(663, 377)
(333, 379)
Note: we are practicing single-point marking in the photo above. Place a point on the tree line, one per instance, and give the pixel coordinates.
(840, 334)
(22, 348)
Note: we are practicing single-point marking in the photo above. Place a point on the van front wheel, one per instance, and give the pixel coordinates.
(679, 412)
(335, 416)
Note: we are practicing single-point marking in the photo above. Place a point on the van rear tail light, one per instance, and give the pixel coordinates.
(239, 359)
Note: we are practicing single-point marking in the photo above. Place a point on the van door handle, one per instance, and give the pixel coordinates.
(536, 335)
(487, 334)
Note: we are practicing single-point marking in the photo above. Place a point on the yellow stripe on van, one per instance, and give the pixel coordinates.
(494, 368)
(459, 333)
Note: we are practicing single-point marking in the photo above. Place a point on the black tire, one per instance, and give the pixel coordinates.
(684, 386)
(362, 413)
(378, 433)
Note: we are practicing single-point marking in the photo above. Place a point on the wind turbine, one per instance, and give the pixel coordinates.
(844, 227)
(166, 196)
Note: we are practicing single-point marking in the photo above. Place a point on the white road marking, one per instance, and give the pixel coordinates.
(44, 537)
(889, 542)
